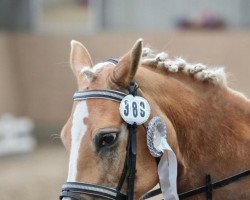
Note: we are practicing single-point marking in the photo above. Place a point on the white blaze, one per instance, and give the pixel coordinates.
(78, 130)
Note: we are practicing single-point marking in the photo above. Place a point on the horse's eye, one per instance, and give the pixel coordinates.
(106, 139)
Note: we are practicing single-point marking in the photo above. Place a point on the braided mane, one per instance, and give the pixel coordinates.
(199, 71)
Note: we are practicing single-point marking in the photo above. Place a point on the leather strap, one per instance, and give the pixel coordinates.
(132, 150)
(99, 94)
(112, 60)
(71, 195)
(208, 188)
(75, 189)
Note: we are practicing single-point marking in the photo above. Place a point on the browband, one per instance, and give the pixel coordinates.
(99, 94)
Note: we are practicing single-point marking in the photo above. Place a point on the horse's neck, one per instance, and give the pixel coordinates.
(210, 122)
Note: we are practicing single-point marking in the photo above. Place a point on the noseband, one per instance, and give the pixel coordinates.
(74, 190)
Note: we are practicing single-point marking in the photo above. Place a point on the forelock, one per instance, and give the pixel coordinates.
(92, 72)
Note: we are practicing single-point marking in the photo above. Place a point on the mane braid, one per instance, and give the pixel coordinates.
(199, 71)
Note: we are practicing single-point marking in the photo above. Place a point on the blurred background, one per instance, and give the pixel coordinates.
(37, 85)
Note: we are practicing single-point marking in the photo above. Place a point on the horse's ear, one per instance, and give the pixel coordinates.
(79, 57)
(128, 65)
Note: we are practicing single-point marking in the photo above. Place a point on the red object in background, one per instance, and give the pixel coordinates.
(206, 20)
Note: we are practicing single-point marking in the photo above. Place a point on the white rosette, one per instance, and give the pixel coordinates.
(167, 168)
(156, 134)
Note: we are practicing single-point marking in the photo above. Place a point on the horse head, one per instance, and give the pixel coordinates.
(207, 128)
(95, 134)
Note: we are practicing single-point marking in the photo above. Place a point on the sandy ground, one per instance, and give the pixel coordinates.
(35, 176)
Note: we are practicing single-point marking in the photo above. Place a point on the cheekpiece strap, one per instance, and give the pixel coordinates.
(132, 148)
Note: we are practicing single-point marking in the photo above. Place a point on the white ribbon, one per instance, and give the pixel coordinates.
(167, 171)
(167, 168)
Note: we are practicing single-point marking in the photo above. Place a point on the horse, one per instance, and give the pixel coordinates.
(208, 126)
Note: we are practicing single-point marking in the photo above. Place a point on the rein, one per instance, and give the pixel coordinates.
(208, 188)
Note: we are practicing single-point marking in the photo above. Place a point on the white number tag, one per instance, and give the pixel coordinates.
(134, 109)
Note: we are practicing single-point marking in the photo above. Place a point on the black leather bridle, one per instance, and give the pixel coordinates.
(75, 190)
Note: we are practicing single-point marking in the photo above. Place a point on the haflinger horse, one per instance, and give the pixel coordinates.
(208, 128)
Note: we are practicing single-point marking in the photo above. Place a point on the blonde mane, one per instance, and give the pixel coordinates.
(199, 71)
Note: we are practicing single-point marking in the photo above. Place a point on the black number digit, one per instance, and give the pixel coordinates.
(134, 106)
(126, 110)
(142, 110)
